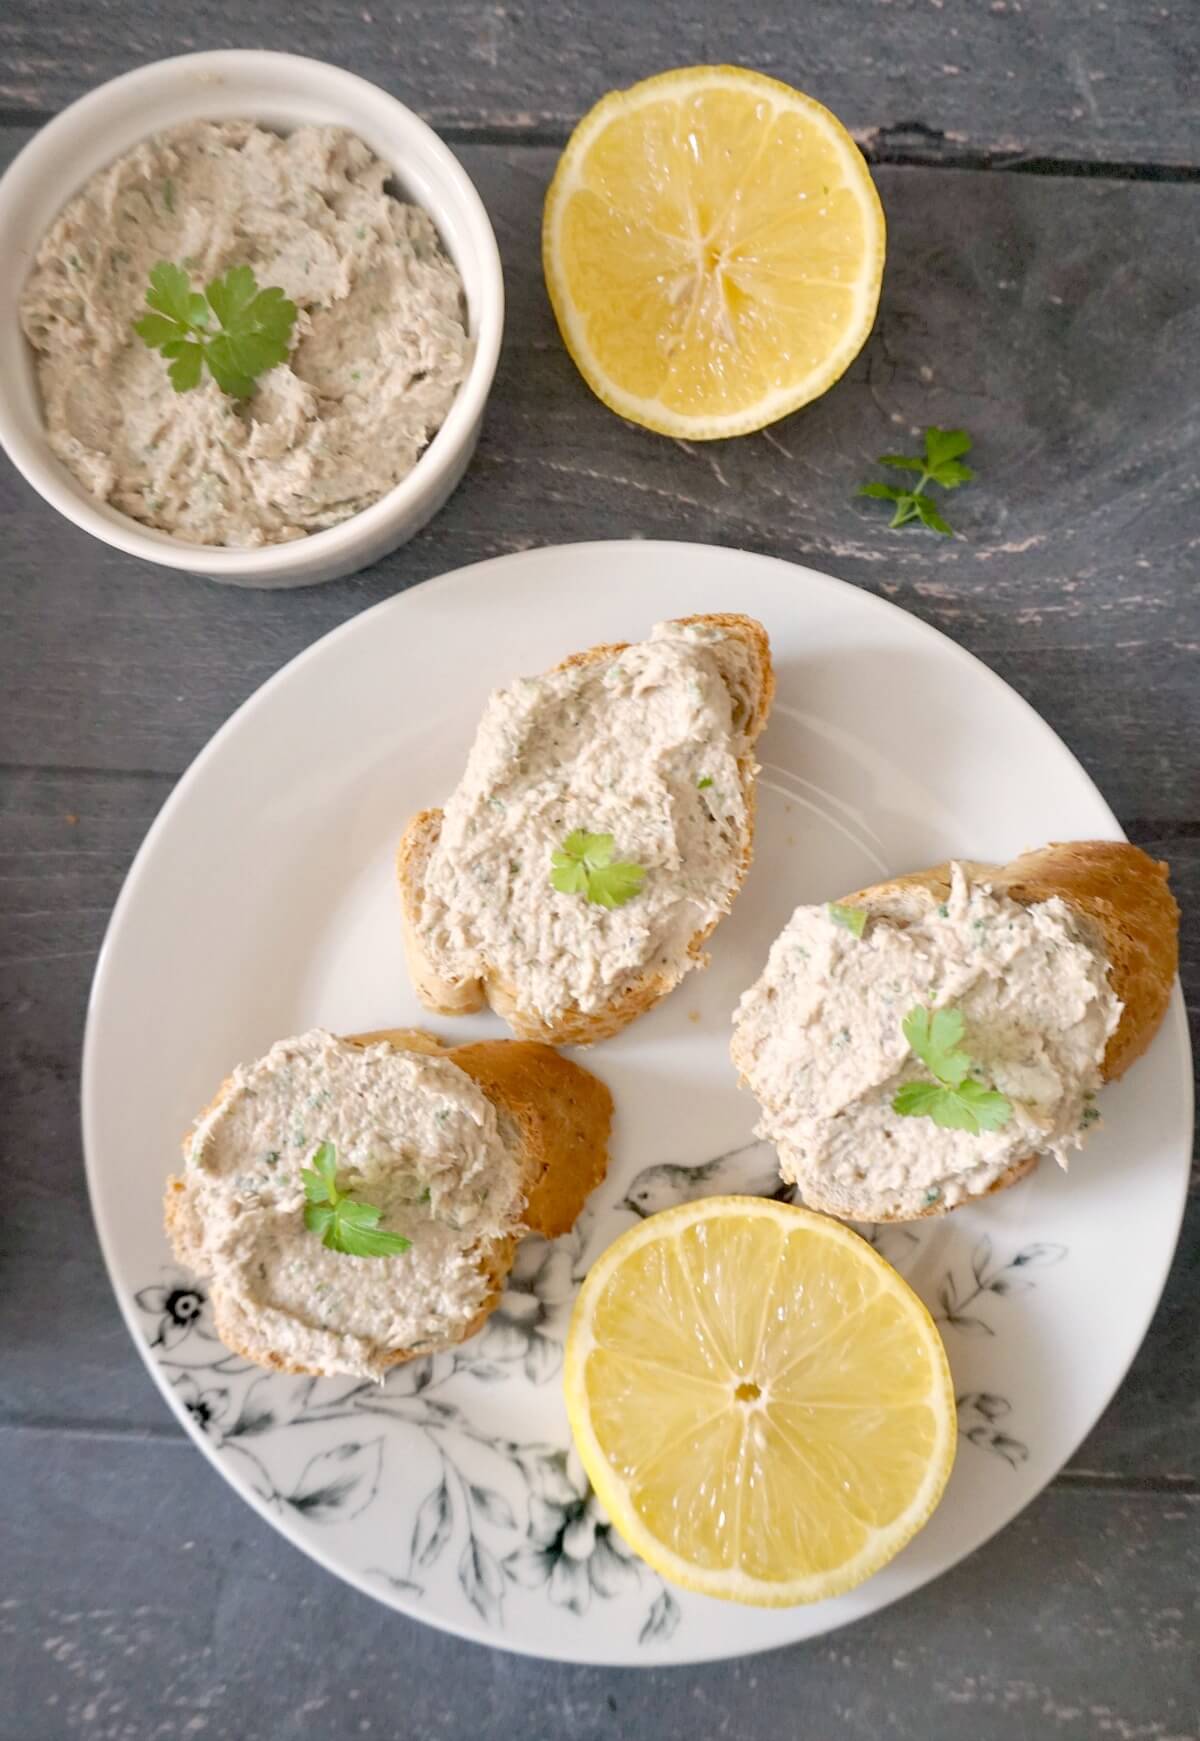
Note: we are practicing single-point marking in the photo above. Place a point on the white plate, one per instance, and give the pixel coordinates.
(262, 903)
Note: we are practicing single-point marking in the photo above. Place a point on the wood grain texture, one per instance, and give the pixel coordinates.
(185, 1615)
(1083, 80)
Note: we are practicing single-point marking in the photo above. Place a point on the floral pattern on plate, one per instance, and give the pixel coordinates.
(511, 1515)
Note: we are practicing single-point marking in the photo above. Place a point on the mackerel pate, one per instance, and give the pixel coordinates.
(648, 745)
(819, 1042)
(379, 347)
(414, 1136)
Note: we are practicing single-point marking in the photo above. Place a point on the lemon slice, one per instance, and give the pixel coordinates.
(713, 247)
(763, 1406)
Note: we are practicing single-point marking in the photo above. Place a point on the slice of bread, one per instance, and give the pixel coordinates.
(1122, 897)
(562, 1115)
(746, 669)
(1119, 890)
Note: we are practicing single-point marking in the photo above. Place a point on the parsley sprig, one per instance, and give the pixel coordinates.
(941, 464)
(853, 918)
(343, 1222)
(254, 331)
(956, 1101)
(583, 865)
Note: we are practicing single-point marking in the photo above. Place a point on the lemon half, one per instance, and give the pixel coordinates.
(713, 247)
(762, 1404)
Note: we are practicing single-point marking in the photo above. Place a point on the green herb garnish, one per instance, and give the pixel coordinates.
(704, 784)
(941, 465)
(583, 865)
(235, 328)
(853, 918)
(955, 1100)
(343, 1222)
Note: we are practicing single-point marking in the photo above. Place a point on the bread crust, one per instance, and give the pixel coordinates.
(1121, 894)
(564, 1116)
(576, 1027)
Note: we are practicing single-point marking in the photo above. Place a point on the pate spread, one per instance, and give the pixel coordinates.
(819, 1042)
(642, 745)
(419, 1140)
(379, 345)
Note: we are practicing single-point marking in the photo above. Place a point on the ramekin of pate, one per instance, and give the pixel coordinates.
(330, 192)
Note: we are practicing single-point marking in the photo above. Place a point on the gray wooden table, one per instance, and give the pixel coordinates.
(1038, 160)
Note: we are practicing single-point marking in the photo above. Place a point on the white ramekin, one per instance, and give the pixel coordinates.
(281, 91)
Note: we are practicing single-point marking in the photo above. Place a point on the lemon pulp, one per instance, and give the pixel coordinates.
(713, 247)
(762, 1404)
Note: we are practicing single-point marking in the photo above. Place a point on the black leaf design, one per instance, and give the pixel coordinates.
(485, 1370)
(981, 1257)
(446, 1410)
(258, 1479)
(548, 1478)
(482, 1581)
(543, 1358)
(336, 1485)
(494, 1507)
(406, 1380)
(529, 1567)
(328, 1393)
(990, 1408)
(431, 1530)
(1012, 1450)
(948, 1297)
(405, 1584)
(254, 1416)
(662, 1620)
(971, 1326)
(1003, 1285)
(297, 1394)
(1043, 1254)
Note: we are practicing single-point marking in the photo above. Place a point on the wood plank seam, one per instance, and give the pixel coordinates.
(905, 144)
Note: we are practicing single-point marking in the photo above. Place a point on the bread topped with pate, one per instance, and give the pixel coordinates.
(1045, 978)
(602, 827)
(355, 1203)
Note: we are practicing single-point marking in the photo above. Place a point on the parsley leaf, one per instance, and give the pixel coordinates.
(933, 1035)
(344, 1223)
(253, 335)
(955, 1101)
(320, 1180)
(583, 865)
(703, 784)
(853, 918)
(917, 1099)
(941, 464)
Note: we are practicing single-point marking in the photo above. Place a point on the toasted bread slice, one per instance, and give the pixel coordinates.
(751, 683)
(1119, 889)
(563, 1115)
(1123, 897)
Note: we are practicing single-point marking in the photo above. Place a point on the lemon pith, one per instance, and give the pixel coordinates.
(713, 248)
(761, 1403)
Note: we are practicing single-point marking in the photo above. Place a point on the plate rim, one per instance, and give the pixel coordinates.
(552, 556)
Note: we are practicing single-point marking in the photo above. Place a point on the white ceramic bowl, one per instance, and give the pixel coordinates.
(281, 91)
